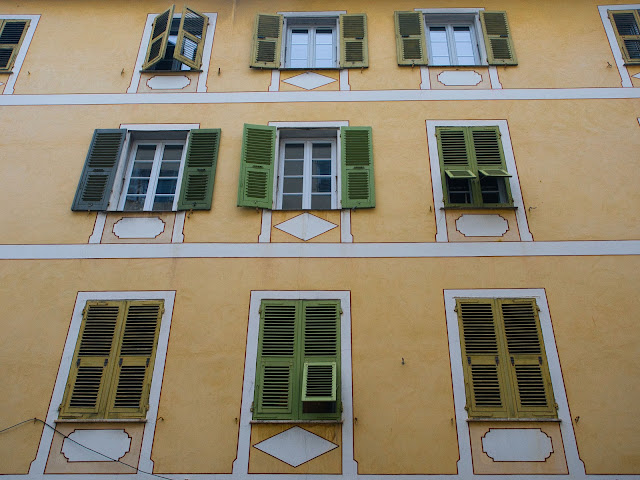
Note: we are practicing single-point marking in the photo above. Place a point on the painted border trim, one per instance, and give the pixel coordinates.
(613, 42)
(22, 53)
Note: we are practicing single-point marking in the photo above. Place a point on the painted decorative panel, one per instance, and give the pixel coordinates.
(295, 446)
(114, 444)
(517, 445)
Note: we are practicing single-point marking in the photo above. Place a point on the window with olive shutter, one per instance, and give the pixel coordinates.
(411, 44)
(12, 33)
(497, 38)
(626, 25)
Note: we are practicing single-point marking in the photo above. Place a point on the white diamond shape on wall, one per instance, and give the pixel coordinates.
(295, 446)
(305, 226)
(637, 75)
(309, 80)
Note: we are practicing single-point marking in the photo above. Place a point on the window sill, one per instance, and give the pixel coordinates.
(306, 69)
(480, 207)
(297, 422)
(171, 72)
(486, 419)
(100, 420)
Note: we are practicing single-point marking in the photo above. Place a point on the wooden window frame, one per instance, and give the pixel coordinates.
(455, 20)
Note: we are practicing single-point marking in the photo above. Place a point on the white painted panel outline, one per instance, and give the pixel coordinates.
(22, 53)
(613, 41)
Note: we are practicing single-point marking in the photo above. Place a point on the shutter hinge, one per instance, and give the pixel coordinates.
(540, 360)
(77, 362)
(147, 361)
(469, 360)
(251, 408)
(106, 360)
(119, 362)
(497, 360)
(512, 361)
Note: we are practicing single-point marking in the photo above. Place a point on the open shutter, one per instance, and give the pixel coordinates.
(527, 361)
(482, 363)
(92, 367)
(358, 189)
(96, 181)
(12, 33)
(276, 370)
(199, 173)
(497, 38)
(626, 25)
(354, 51)
(267, 39)
(190, 42)
(159, 38)
(454, 153)
(488, 152)
(129, 396)
(255, 187)
(411, 45)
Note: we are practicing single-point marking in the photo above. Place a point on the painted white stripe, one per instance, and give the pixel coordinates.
(324, 250)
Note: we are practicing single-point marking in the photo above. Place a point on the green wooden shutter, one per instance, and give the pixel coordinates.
(255, 187)
(129, 395)
(358, 189)
(411, 45)
(455, 160)
(190, 42)
(89, 378)
(199, 173)
(626, 25)
(527, 362)
(159, 38)
(488, 157)
(12, 33)
(267, 40)
(354, 49)
(277, 372)
(482, 362)
(96, 181)
(497, 38)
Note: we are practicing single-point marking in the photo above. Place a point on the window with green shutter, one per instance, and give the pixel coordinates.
(626, 25)
(504, 360)
(473, 167)
(113, 361)
(298, 363)
(12, 33)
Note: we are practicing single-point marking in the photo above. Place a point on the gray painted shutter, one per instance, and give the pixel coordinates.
(411, 44)
(96, 181)
(497, 37)
(267, 39)
(255, 188)
(199, 173)
(357, 168)
(354, 50)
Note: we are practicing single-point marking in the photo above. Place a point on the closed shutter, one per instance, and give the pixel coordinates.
(497, 38)
(12, 33)
(358, 190)
(199, 173)
(257, 162)
(626, 25)
(96, 181)
(190, 42)
(354, 52)
(411, 44)
(267, 39)
(159, 38)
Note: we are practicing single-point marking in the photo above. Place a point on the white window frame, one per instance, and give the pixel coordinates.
(613, 41)
(22, 51)
(311, 31)
(449, 22)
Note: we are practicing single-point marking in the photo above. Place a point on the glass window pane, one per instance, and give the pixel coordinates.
(141, 169)
(321, 202)
(440, 50)
(133, 203)
(292, 185)
(293, 167)
(145, 152)
(163, 203)
(321, 184)
(169, 169)
(167, 185)
(299, 52)
(138, 185)
(459, 190)
(292, 202)
(321, 167)
(321, 150)
(294, 151)
(172, 152)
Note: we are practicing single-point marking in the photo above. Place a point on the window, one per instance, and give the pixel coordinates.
(504, 362)
(12, 33)
(318, 168)
(314, 41)
(113, 361)
(627, 30)
(176, 43)
(298, 363)
(149, 170)
(453, 38)
(472, 167)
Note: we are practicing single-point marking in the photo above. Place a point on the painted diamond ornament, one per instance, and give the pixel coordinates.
(309, 80)
(305, 226)
(295, 446)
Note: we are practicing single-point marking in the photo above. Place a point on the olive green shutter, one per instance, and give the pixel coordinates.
(487, 148)
(91, 370)
(199, 173)
(276, 369)
(159, 38)
(354, 50)
(483, 366)
(497, 38)
(190, 42)
(129, 395)
(411, 45)
(12, 33)
(626, 25)
(358, 190)
(527, 361)
(455, 157)
(267, 39)
(96, 181)
(255, 187)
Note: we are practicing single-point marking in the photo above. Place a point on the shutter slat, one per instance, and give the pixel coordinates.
(12, 33)
(196, 191)
(358, 189)
(319, 382)
(190, 41)
(353, 41)
(130, 386)
(86, 388)
(497, 38)
(255, 187)
(487, 148)
(627, 29)
(521, 328)
(278, 330)
(159, 38)
(267, 38)
(276, 391)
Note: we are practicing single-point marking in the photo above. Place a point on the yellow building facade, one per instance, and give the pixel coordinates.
(252, 240)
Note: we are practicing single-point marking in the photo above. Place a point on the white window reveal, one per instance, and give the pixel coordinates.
(452, 40)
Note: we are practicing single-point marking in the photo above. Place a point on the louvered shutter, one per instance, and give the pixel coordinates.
(411, 44)
(527, 362)
(455, 157)
(12, 34)
(358, 189)
(276, 370)
(89, 378)
(159, 38)
(497, 38)
(354, 50)
(321, 333)
(196, 191)
(626, 25)
(257, 162)
(96, 181)
(482, 363)
(267, 39)
(190, 42)
(129, 395)
(487, 148)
